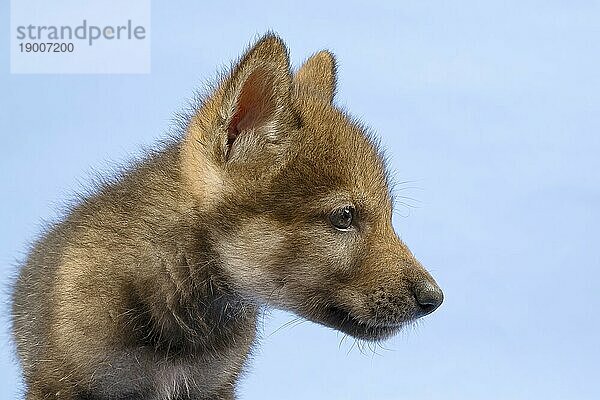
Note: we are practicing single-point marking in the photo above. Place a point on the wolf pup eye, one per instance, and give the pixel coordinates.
(342, 218)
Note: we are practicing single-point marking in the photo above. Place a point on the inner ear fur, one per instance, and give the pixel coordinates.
(259, 104)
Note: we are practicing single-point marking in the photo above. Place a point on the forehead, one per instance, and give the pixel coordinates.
(339, 156)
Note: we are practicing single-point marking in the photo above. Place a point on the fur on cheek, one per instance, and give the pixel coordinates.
(249, 255)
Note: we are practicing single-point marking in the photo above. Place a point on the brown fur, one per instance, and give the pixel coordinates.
(150, 288)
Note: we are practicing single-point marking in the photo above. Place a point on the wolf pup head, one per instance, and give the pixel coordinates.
(299, 198)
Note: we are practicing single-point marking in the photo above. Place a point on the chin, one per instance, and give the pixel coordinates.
(340, 319)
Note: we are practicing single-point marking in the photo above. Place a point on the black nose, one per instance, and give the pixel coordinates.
(429, 297)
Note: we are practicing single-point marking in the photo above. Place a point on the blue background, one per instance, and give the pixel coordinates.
(489, 109)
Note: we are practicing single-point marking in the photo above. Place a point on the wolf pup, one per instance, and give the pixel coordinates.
(272, 196)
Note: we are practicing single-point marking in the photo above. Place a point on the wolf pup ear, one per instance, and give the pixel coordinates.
(317, 77)
(250, 111)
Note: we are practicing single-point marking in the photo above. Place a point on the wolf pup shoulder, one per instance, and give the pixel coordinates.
(272, 196)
